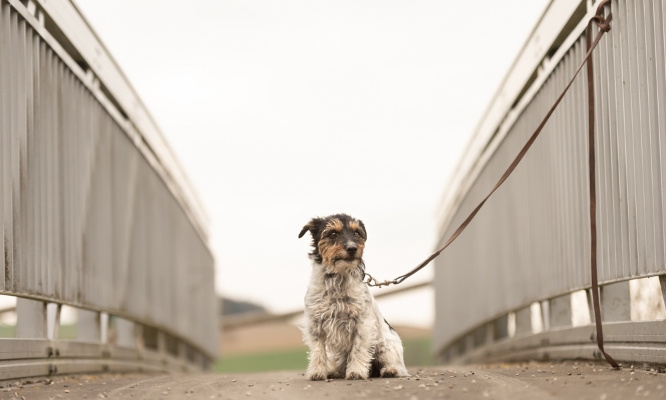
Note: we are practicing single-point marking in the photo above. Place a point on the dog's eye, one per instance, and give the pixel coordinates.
(357, 234)
(333, 235)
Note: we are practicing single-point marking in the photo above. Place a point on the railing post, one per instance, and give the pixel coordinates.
(31, 318)
(501, 327)
(88, 326)
(560, 311)
(490, 333)
(161, 343)
(104, 327)
(616, 302)
(662, 283)
(524, 321)
(545, 314)
(126, 334)
(52, 320)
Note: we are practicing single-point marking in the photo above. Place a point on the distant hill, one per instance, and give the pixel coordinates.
(229, 307)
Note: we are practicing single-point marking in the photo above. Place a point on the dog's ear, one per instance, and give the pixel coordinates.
(305, 229)
(363, 232)
(311, 226)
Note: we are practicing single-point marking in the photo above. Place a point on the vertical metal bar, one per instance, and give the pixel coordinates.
(632, 129)
(52, 321)
(560, 312)
(662, 284)
(603, 202)
(9, 133)
(660, 32)
(643, 158)
(655, 106)
(4, 139)
(88, 326)
(39, 224)
(125, 333)
(524, 321)
(19, 129)
(30, 318)
(616, 302)
(56, 181)
(610, 232)
(627, 214)
(618, 144)
(68, 125)
(580, 177)
(104, 327)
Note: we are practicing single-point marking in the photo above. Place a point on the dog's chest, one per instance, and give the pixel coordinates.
(335, 312)
(343, 304)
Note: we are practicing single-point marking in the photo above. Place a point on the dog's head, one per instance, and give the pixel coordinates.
(337, 240)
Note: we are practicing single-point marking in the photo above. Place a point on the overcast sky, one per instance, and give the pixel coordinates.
(280, 111)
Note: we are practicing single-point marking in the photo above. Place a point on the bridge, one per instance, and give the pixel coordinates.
(99, 217)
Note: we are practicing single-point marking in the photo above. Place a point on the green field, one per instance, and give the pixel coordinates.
(258, 362)
(417, 352)
(64, 332)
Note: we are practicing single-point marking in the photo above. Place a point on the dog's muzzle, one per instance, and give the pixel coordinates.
(351, 248)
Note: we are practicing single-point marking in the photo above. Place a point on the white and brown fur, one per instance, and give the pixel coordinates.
(347, 335)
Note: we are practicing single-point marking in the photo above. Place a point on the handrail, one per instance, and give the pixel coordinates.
(96, 213)
(526, 257)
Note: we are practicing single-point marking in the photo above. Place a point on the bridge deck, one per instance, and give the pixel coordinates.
(556, 380)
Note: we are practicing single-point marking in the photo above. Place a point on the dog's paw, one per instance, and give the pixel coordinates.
(333, 375)
(316, 373)
(353, 376)
(388, 373)
(316, 376)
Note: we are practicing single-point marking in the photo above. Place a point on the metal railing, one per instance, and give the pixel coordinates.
(505, 289)
(96, 212)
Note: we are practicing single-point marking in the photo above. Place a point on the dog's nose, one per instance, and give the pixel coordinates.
(351, 249)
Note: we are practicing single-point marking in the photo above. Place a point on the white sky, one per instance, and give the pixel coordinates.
(280, 111)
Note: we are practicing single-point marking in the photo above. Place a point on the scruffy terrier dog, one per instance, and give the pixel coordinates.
(344, 329)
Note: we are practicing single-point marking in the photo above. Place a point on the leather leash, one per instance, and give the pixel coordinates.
(604, 26)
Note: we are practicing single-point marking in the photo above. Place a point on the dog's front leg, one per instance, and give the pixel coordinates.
(318, 361)
(360, 356)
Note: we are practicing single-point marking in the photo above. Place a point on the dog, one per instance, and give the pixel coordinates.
(347, 335)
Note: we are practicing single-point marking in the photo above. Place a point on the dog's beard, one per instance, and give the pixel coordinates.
(346, 263)
(342, 265)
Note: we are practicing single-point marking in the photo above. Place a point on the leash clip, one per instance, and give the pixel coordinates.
(372, 282)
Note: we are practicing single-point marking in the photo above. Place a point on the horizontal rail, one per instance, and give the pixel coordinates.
(578, 343)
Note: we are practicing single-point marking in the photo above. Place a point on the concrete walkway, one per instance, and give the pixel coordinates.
(557, 380)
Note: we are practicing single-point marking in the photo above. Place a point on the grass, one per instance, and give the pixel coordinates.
(417, 352)
(64, 332)
(259, 362)
(7, 331)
